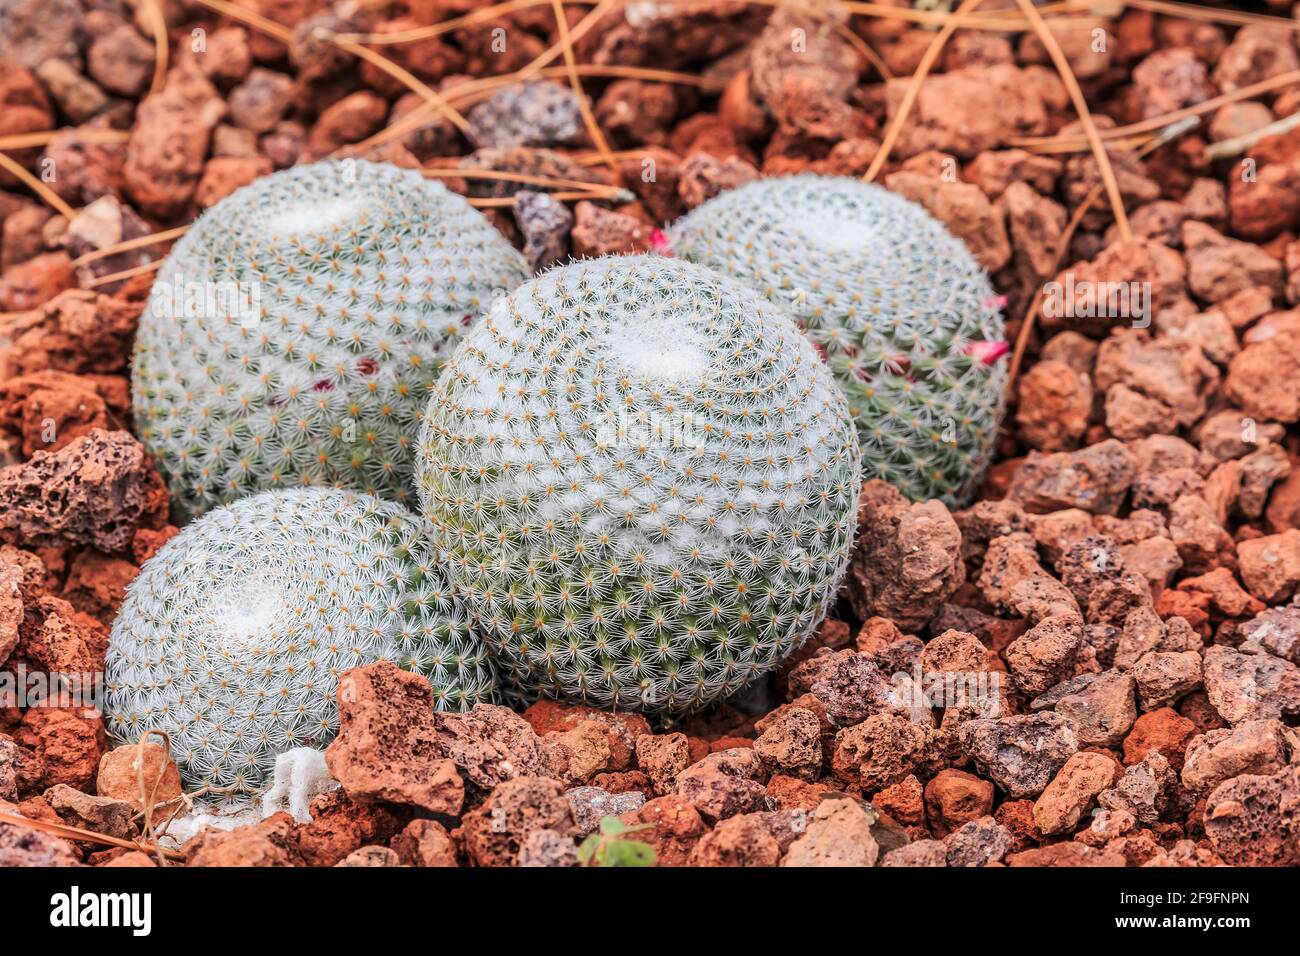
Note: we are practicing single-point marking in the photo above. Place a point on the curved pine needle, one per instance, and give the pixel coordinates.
(53, 199)
(584, 106)
(1057, 55)
(42, 137)
(1073, 144)
(124, 274)
(950, 24)
(162, 49)
(259, 23)
(88, 836)
(127, 245)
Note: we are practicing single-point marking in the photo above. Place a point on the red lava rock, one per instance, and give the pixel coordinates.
(494, 833)
(964, 209)
(1170, 80)
(424, 843)
(1067, 854)
(122, 769)
(67, 741)
(675, 826)
(386, 747)
(968, 111)
(576, 755)
(791, 744)
(94, 491)
(545, 224)
(76, 331)
(101, 814)
(489, 744)
(599, 232)
(1253, 820)
(1219, 267)
(1256, 53)
(838, 834)
(1045, 654)
(743, 840)
(129, 858)
(121, 61)
(1017, 818)
(590, 805)
(903, 801)
(977, 843)
(1095, 479)
(724, 784)
(23, 846)
(262, 100)
(622, 728)
(1227, 597)
(1141, 261)
(1164, 676)
(702, 176)
(339, 826)
(663, 757)
(350, 120)
(1101, 710)
(97, 583)
(1053, 406)
(878, 752)
(224, 174)
(146, 542)
(173, 128)
(1252, 747)
(1013, 580)
(908, 559)
(954, 798)
(790, 793)
(370, 856)
(1145, 789)
(1163, 730)
(34, 282)
(848, 685)
(1250, 686)
(268, 843)
(918, 853)
(1270, 565)
(59, 640)
(1178, 376)
(1020, 753)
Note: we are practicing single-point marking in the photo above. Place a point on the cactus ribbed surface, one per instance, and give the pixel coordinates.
(645, 482)
(234, 635)
(905, 315)
(295, 331)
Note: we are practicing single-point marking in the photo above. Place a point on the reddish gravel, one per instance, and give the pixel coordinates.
(1123, 595)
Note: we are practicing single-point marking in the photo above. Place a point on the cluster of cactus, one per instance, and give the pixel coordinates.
(233, 637)
(296, 330)
(644, 482)
(906, 317)
(638, 477)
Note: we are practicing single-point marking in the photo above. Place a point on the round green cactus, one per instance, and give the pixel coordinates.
(234, 635)
(646, 483)
(295, 331)
(906, 317)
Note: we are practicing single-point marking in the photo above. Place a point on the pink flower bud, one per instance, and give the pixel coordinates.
(987, 352)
